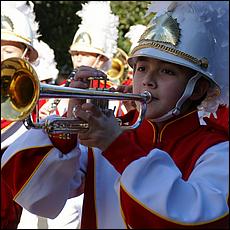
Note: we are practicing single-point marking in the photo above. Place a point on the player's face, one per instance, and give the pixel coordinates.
(165, 81)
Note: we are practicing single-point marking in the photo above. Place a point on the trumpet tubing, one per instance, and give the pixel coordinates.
(21, 90)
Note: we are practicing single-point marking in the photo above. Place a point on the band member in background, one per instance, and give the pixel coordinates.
(17, 36)
(171, 171)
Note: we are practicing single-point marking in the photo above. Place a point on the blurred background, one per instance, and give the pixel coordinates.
(58, 24)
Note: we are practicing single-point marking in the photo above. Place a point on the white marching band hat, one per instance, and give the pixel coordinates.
(18, 24)
(98, 31)
(193, 34)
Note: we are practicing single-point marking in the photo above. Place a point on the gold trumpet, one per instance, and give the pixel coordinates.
(21, 89)
(117, 72)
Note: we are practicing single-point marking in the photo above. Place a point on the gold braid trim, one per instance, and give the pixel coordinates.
(150, 44)
(17, 35)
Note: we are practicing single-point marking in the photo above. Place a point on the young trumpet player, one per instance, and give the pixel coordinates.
(170, 172)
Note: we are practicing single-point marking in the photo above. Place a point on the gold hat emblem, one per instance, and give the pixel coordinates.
(6, 23)
(163, 29)
(83, 39)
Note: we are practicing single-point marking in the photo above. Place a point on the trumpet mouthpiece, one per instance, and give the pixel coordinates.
(148, 97)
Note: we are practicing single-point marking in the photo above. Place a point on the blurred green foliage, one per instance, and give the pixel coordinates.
(130, 13)
(58, 24)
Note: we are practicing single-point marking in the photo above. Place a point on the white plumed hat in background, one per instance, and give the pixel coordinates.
(98, 31)
(194, 34)
(134, 34)
(18, 24)
(45, 66)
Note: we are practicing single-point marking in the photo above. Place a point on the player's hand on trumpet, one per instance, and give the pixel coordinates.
(81, 80)
(103, 128)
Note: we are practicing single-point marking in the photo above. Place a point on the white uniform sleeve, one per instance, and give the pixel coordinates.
(155, 182)
(47, 184)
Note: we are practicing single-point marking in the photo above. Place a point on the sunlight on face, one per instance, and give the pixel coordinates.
(11, 49)
(165, 81)
(83, 58)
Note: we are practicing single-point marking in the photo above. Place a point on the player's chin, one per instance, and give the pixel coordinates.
(154, 110)
(151, 114)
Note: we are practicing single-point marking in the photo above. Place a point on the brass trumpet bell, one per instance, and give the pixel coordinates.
(118, 67)
(19, 90)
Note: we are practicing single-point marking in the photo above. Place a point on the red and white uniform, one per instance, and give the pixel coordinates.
(145, 179)
(10, 210)
(10, 131)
